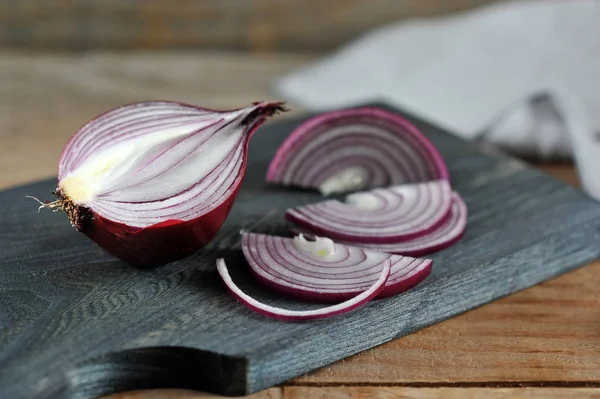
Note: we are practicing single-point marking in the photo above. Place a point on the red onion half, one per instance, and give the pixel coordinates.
(299, 315)
(353, 150)
(152, 182)
(442, 237)
(381, 215)
(325, 271)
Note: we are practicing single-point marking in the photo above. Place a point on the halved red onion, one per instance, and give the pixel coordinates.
(353, 150)
(325, 271)
(299, 315)
(383, 215)
(152, 182)
(443, 237)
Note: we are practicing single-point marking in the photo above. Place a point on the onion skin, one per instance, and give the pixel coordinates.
(161, 243)
(169, 240)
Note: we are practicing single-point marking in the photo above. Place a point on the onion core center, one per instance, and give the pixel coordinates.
(321, 247)
(349, 179)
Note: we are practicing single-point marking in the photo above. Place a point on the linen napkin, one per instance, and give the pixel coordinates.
(523, 75)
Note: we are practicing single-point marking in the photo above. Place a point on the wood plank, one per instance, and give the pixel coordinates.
(563, 172)
(546, 333)
(436, 393)
(258, 25)
(389, 392)
(271, 393)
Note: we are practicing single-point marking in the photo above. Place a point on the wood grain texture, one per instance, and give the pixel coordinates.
(78, 323)
(272, 393)
(390, 392)
(257, 25)
(546, 334)
(438, 393)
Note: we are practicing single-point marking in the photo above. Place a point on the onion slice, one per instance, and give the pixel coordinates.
(355, 150)
(381, 215)
(443, 237)
(299, 315)
(325, 271)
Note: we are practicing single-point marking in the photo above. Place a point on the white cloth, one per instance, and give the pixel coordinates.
(524, 74)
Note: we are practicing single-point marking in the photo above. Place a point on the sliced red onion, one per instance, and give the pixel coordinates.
(353, 150)
(299, 315)
(443, 237)
(383, 215)
(325, 271)
(152, 182)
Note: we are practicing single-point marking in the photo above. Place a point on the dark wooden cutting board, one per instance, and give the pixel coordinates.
(76, 323)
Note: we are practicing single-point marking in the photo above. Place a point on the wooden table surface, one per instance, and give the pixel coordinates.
(543, 342)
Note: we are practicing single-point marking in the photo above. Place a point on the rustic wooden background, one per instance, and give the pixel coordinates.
(249, 25)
